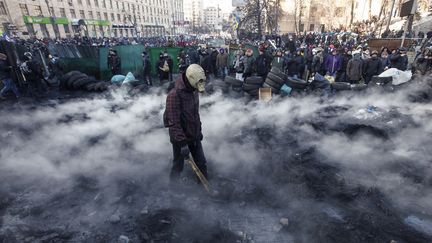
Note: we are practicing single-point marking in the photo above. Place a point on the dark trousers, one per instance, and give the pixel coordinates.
(197, 154)
(147, 79)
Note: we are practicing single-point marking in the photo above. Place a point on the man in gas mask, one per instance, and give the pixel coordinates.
(182, 118)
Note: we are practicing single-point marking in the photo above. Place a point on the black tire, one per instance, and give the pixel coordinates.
(273, 84)
(234, 82)
(237, 89)
(254, 80)
(358, 86)
(82, 82)
(100, 86)
(276, 71)
(90, 86)
(276, 79)
(247, 87)
(381, 80)
(341, 86)
(296, 83)
(254, 93)
(67, 76)
(74, 78)
(274, 90)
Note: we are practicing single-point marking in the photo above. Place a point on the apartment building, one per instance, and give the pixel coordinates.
(93, 18)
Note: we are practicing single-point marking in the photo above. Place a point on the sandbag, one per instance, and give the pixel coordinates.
(129, 78)
(117, 79)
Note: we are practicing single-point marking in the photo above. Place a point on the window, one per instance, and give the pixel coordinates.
(98, 15)
(311, 27)
(110, 4)
(2, 8)
(96, 3)
(104, 3)
(51, 11)
(88, 3)
(24, 9)
(105, 16)
(82, 14)
(66, 28)
(90, 14)
(63, 12)
(72, 13)
(80, 2)
(112, 17)
(38, 10)
(118, 17)
(117, 4)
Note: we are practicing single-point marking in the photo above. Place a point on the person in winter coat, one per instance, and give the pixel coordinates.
(317, 61)
(301, 63)
(33, 73)
(239, 66)
(146, 68)
(170, 62)
(183, 62)
(114, 62)
(278, 60)
(6, 78)
(385, 61)
(355, 68)
(213, 56)
(206, 63)
(346, 57)
(248, 64)
(290, 45)
(372, 67)
(222, 63)
(399, 59)
(182, 119)
(162, 68)
(291, 66)
(332, 63)
(262, 63)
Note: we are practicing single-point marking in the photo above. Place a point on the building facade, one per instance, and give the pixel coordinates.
(93, 18)
(211, 17)
(193, 14)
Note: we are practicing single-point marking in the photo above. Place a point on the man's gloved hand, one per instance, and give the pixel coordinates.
(185, 151)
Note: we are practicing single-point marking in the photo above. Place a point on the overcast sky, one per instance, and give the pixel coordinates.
(224, 5)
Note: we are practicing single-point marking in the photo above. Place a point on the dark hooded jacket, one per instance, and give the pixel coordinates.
(181, 114)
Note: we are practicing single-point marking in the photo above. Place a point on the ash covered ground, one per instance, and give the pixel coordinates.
(95, 169)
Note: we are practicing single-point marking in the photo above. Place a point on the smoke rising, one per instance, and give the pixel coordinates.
(93, 165)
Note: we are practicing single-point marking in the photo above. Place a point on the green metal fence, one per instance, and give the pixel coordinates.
(130, 60)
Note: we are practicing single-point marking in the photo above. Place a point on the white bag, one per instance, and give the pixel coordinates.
(399, 76)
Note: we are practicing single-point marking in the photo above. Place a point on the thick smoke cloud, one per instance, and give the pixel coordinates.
(105, 159)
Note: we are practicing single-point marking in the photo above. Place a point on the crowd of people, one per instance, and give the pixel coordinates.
(343, 56)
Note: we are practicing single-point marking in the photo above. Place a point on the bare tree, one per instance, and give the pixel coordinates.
(260, 15)
(352, 12)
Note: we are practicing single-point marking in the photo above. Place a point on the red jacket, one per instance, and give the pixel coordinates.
(181, 114)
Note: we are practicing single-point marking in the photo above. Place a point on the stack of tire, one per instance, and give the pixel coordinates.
(234, 83)
(340, 86)
(252, 84)
(76, 80)
(217, 85)
(275, 80)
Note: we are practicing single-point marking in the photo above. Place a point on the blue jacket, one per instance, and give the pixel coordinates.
(332, 64)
